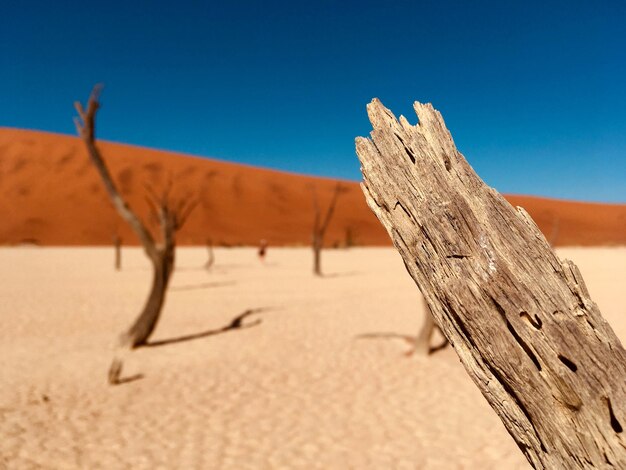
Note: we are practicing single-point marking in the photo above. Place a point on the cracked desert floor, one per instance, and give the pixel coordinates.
(322, 382)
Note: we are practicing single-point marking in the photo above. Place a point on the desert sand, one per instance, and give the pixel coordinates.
(323, 382)
(50, 194)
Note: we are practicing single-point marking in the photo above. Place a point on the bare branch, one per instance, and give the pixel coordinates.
(316, 210)
(331, 208)
(153, 209)
(183, 211)
(86, 130)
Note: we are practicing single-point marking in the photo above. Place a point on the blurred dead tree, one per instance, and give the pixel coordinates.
(117, 243)
(211, 259)
(171, 216)
(424, 340)
(320, 224)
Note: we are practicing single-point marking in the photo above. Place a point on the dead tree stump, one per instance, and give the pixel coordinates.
(520, 319)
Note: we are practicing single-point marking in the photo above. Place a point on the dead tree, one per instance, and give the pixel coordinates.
(350, 237)
(320, 225)
(211, 259)
(117, 242)
(171, 217)
(424, 340)
(520, 319)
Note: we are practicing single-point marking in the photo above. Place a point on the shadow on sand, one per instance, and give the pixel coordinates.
(406, 338)
(204, 285)
(346, 274)
(191, 268)
(236, 324)
(130, 378)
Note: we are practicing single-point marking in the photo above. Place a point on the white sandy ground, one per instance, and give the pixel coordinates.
(301, 390)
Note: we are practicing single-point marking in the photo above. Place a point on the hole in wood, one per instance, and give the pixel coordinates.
(517, 337)
(398, 203)
(410, 154)
(535, 322)
(524, 346)
(615, 424)
(408, 151)
(570, 365)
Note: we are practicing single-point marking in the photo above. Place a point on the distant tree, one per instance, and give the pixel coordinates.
(320, 224)
(350, 237)
(171, 217)
(262, 252)
(211, 259)
(117, 242)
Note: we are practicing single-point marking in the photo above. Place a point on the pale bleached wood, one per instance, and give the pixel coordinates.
(520, 319)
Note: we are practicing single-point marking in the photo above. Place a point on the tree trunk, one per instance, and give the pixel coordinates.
(137, 335)
(118, 253)
(211, 258)
(317, 254)
(424, 340)
(144, 325)
(320, 225)
(520, 319)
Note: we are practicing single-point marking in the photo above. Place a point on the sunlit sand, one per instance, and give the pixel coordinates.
(322, 381)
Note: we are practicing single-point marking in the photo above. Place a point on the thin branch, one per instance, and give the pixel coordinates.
(316, 209)
(331, 208)
(183, 211)
(85, 125)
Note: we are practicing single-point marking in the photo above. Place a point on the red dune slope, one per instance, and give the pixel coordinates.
(50, 194)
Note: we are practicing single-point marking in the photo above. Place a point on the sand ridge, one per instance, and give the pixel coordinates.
(51, 195)
(322, 382)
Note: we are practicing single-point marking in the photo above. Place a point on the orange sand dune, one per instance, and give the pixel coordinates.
(51, 195)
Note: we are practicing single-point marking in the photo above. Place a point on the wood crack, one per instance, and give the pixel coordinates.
(512, 265)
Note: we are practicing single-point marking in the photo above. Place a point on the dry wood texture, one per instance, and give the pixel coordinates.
(520, 319)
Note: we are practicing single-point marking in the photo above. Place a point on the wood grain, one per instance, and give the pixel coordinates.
(520, 319)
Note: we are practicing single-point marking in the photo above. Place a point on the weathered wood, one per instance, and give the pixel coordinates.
(520, 319)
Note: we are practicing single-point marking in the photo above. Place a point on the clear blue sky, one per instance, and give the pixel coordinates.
(533, 92)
